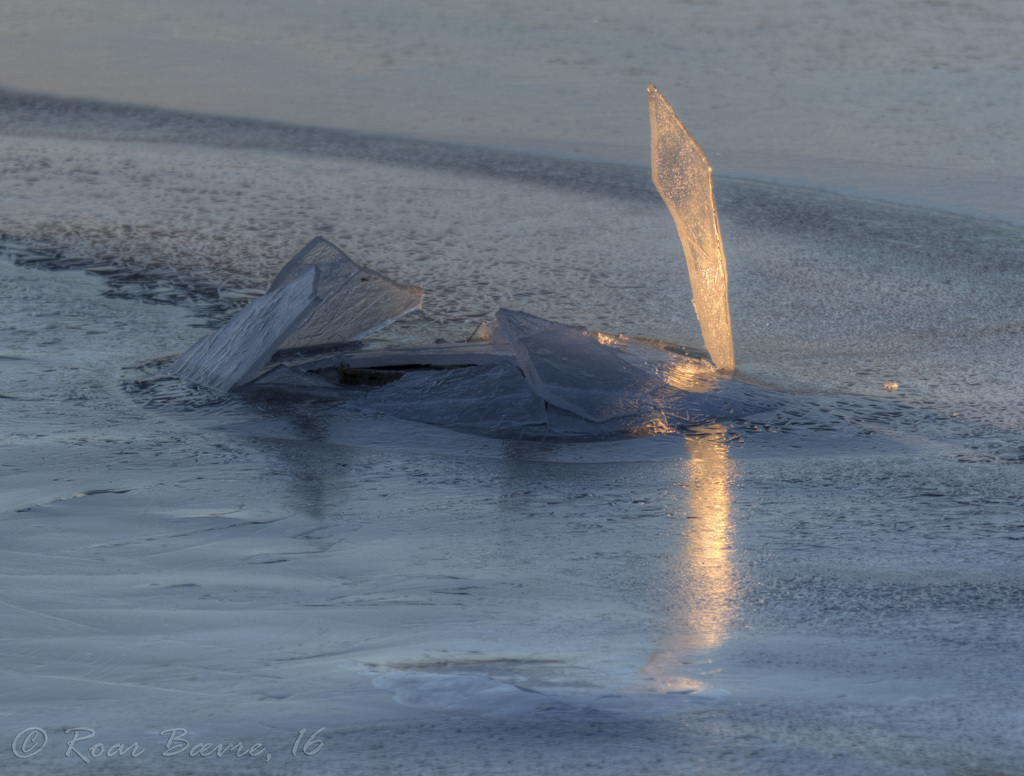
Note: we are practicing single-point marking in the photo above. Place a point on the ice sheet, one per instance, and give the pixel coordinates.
(449, 354)
(858, 603)
(336, 267)
(489, 399)
(485, 695)
(356, 301)
(319, 298)
(572, 370)
(817, 92)
(236, 352)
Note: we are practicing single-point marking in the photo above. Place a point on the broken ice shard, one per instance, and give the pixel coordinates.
(570, 369)
(236, 352)
(602, 378)
(356, 301)
(491, 399)
(683, 177)
(320, 297)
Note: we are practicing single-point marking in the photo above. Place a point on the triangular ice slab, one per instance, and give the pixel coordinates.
(320, 297)
(236, 352)
(603, 378)
(570, 369)
(318, 252)
(356, 301)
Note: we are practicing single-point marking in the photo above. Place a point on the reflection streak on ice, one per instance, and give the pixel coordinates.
(708, 548)
(703, 569)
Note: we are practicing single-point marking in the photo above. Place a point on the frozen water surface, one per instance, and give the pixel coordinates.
(830, 587)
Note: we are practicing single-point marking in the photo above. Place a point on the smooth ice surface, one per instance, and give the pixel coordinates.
(356, 301)
(235, 353)
(683, 177)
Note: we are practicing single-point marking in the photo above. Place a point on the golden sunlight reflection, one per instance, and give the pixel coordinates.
(703, 583)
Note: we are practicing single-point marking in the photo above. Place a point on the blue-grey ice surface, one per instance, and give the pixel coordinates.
(839, 577)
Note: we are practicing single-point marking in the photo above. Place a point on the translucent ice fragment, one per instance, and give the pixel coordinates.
(693, 393)
(317, 252)
(236, 352)
(356, 301)
(683, 177)
(602, 379)
(570, 369)
(487, 332)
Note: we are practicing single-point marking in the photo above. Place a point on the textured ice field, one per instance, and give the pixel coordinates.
(833, 587)
(914, 100)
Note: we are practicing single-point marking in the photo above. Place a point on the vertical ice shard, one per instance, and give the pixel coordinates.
(356, 300)
(683, 177)
(570, 369)
(236, 352)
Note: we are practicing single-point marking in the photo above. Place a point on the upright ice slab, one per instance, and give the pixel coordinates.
(683, 177)
(234, 354)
